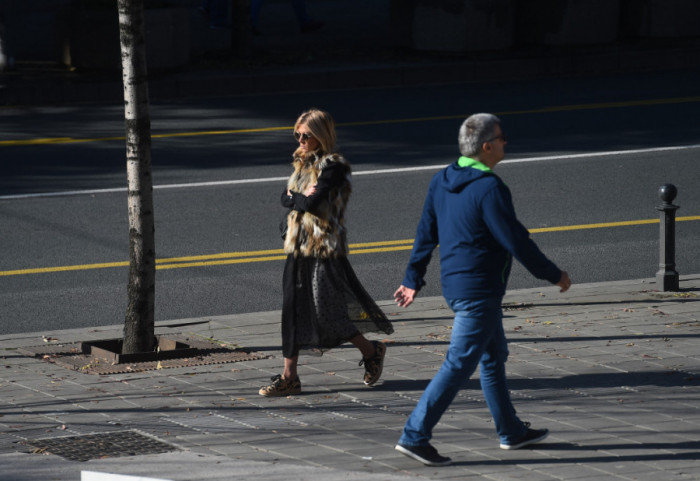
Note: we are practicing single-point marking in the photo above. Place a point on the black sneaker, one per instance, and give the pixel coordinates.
(532, 436)
(427, 455)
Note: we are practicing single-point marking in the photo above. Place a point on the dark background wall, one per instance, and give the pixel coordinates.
(57, 31)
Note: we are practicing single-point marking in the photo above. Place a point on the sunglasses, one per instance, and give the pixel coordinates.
(502, 137)
(299, 136)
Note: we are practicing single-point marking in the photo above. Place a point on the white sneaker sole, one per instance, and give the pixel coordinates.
(413, 455)
(525, 443)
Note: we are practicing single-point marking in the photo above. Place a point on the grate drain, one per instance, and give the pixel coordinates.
(516, 306)
(96, 446)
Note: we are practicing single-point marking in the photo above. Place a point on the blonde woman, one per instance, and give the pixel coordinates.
(324, 303)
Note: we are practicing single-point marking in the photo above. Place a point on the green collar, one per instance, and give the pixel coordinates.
(473, 163)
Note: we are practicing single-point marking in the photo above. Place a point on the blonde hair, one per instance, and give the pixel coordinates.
(321, 126)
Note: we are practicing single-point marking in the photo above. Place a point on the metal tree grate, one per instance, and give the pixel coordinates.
(71, 356)
(517, 306)
(96, 446)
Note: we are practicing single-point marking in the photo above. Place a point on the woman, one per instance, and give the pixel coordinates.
(324, 303)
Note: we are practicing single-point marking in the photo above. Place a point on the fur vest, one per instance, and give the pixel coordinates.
(320, 233)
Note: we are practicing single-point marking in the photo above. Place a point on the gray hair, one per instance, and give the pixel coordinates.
(476, 130)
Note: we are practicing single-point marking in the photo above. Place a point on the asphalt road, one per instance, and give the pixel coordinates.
(583, 156)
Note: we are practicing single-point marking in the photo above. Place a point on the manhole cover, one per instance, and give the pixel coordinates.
(95, 446)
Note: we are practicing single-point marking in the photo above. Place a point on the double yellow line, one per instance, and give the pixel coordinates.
(224, 258)
(271, 255)
(227, 258)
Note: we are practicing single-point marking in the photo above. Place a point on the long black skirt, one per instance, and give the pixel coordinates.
(325, 306)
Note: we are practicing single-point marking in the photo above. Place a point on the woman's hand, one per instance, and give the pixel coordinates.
(311, 190)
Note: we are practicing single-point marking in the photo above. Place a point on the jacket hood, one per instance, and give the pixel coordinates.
(463, 172)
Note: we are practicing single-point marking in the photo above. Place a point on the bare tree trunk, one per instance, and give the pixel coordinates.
(139, 327)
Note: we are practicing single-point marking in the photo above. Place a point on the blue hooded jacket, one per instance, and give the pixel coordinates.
(469, 212)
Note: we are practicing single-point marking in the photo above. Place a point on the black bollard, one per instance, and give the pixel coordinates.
(667, 277)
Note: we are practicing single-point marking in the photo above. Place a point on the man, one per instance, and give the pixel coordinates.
(469, 212)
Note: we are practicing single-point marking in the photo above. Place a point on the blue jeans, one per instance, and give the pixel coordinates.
(477, 337)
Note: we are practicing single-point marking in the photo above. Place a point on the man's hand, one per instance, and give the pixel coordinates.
(404, 296)
(564, 282)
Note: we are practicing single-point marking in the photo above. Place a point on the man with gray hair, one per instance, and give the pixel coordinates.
(469, 212)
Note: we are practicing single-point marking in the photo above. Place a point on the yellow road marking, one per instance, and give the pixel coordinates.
(222, 262)
(540, 230)
(541, 110)
(46, 270)
(71, 140)
(226, 258)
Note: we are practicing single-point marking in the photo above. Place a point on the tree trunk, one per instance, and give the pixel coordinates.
(139, 325)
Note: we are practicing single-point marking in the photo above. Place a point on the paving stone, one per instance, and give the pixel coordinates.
(615, 410)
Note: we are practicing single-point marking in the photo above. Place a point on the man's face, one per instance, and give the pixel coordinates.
(499, 143)
(493, 150)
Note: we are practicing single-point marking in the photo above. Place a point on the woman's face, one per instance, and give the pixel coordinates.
(307, 142)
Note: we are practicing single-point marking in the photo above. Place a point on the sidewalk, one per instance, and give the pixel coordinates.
(612, 369)
(355, 49)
